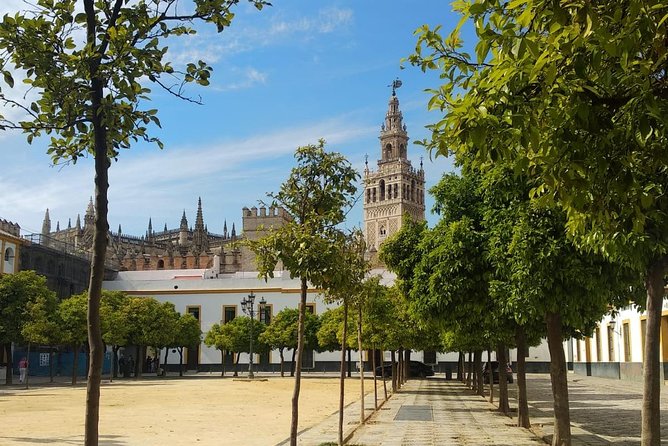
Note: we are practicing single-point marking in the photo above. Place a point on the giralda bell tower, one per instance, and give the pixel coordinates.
(395, 188)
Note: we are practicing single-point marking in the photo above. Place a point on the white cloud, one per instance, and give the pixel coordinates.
(143, 183)
(244, 78)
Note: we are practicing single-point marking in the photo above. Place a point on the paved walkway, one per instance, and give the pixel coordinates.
(603, 411)
(426, 412)
(434, 411)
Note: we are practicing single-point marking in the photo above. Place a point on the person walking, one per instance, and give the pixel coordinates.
(23, 368)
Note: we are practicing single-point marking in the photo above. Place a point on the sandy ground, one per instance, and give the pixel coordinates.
(194, 410)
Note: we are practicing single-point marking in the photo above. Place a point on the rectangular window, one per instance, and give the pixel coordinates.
(266, 313)
(430, 357)
(310, 308)
(195, 311)
(598, 344)
(229, 313)
(611, 342)
(627, 342)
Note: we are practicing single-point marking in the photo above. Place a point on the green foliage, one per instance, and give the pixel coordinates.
(316, 196)
(187, 333)
(149, 322)
(72, 315)
(574, 94)
(234, 336)
(20, 294)
(48, 44)
(115, 330)
(282, 330)
(42, 324)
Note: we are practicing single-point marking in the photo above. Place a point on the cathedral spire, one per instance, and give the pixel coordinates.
(234, 231)
(184, 222)
(78, 225)
(89, 218)
(393, 134)
(46, 223)
(225, 229)
(58, 226)
(199, 220)
(69, 223)
(149, 232)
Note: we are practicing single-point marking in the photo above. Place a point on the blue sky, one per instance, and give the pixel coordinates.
(283, 77)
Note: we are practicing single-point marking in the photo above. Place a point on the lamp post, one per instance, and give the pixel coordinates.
(248, 307)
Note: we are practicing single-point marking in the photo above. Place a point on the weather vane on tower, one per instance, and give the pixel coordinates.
(395, 84)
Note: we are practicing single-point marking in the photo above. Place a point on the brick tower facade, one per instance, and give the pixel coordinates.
(396, 187)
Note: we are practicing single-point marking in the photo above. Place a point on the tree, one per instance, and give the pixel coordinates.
(575, 94)
(188, 335)
(215, 337)
(17, 292)
(90, 70)
(281, 333)
(316, 196)
(115, 330)
(72, 316)
(234, 336)
(41, 326)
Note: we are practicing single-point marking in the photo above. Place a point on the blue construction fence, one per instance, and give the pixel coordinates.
(63, 362)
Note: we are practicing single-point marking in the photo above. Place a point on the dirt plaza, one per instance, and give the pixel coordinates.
(194, 410)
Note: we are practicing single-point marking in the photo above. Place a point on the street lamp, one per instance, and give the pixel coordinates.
(248, 307)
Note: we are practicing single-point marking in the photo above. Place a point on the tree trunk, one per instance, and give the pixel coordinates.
(460, 366)
(292, 362)
(469, 368)
(10, 363)
(382, 367)
(75, 364)
(164, 365)
(280, 353)
(114, 349)
(141, 360)
(361, 359)
(342, 378)
(522, 401)
(651, 412)
(298, 366)
(100, 234)
(562, 421)
(407, 364)
(504, 407)
(180, 361)
(350, 362)
(373, 372)
(393, 361)
(490, 375)
(222, 362)
(480, 389)
(51, 355)
(236, 365)
(28, 367)
(400, 367)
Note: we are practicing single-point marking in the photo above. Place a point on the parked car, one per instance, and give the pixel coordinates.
(416, 369)
(495, 372)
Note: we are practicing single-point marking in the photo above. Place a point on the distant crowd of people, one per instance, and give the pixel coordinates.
(126, 367)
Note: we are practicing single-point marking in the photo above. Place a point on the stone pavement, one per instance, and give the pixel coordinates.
(434, 411)
(426, 412)
(603, 411)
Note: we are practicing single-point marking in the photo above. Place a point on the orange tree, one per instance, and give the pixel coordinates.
(575, 93)
(90, 69)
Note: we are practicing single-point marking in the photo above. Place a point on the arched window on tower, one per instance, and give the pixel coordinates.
(389, 191)
(413, 190)
(388, 151)
(374, 194)
(402, 151)
(382, 190)
(368, 195)
(382, 231)
(396, 190)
